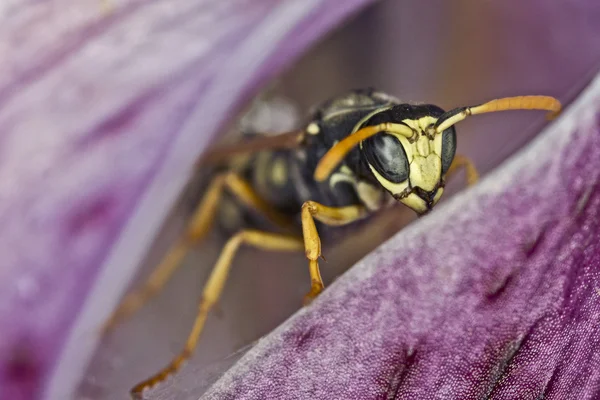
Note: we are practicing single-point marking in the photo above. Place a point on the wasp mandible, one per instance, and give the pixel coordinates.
(359, 153)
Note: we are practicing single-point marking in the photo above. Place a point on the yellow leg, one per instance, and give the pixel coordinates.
(312, 242)
(214, 288)
(246, 194)
(463, 162)
(198, 227)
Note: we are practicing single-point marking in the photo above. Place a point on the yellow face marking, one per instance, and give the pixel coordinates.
(415, 203)
(426, 165)
(423, 147)
(420, 124)
(438, 195)
(436, 146)
(424, 158)
(425, 172)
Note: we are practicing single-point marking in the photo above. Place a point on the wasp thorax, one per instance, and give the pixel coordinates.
(412, 167)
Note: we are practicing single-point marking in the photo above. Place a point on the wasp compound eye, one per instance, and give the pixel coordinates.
(448, 148)
(386, 155)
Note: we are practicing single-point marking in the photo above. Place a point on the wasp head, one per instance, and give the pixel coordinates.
(409, 148)
(410, 161)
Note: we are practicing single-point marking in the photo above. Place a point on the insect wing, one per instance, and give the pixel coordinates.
(287, 140)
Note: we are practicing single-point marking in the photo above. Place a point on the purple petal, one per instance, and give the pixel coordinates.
(494, 295)
(102, 116)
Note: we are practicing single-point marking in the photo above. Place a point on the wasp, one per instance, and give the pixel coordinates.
(357, 154)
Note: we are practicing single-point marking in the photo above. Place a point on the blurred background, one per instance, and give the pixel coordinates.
(447, 53)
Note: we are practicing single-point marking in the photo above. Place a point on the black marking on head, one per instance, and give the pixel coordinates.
(415, 112)
(386, 154)
(401, 112)
(399, 196)
(448, 148)
(425, 195)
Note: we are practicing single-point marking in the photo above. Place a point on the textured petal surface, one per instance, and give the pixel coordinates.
(494, 295)
(104, 107)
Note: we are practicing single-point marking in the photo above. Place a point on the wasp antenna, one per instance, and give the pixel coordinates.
(507, 103)
(336, 154)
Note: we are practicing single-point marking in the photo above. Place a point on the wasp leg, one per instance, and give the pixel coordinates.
(312, 243)
(213, 289)
(199, 226)
(470, 170)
